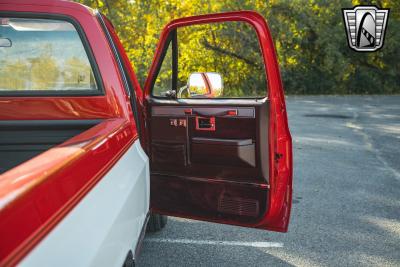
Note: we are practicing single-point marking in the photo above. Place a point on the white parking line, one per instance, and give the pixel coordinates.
(216, 242)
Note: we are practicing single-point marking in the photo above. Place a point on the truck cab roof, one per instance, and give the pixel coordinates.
(58, 3)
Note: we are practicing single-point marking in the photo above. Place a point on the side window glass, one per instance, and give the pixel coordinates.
(163, 82)
(42, 55)
(218, 60)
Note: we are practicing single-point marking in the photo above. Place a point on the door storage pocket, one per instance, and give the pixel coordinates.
(166, 156)
(232, 152)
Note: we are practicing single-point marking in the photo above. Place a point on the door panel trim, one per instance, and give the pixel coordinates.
(220, 141)
(242, 112)
(212, 102)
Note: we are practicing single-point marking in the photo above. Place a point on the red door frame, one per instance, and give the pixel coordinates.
(280, 141)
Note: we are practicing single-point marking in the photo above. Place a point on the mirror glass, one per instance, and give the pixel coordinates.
(202, 84)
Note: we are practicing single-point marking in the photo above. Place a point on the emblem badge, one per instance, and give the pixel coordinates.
(365, 27)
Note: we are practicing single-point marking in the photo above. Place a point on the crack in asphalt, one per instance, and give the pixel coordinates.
(359, 129)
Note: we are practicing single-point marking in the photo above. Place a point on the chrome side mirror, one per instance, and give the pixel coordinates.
(202, 85)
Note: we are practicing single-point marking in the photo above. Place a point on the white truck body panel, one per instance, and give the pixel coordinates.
(106, 224)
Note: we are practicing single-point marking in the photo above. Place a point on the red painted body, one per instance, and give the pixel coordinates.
(55, 181)
(49, 191)
(280, 141)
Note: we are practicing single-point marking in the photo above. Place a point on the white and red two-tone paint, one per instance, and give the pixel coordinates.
(85, 200)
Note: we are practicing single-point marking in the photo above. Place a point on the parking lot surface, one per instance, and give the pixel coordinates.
(346, 203)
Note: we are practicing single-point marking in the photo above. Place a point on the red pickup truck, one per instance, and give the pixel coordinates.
(88, 158)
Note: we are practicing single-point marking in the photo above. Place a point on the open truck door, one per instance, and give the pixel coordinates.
(216, 124)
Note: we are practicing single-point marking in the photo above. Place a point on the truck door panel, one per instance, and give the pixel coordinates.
(217, 174)
(226, 160)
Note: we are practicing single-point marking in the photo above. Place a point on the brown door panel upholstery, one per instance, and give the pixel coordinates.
(235, 203)
(240, 152)
(211, 171)
(205, 157)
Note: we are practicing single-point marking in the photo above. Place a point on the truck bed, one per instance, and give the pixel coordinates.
(21, 140)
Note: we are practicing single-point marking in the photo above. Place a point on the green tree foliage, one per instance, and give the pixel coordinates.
(13, 74)
(229, 48)
(44, 71)
(76, 73)
(37, 73)
(309, 37)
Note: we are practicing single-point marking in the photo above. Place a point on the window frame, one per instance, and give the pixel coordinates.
(86, 45)
(173, 39)
(129, 86)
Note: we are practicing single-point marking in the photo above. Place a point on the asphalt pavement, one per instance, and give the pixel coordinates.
(346, 204)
